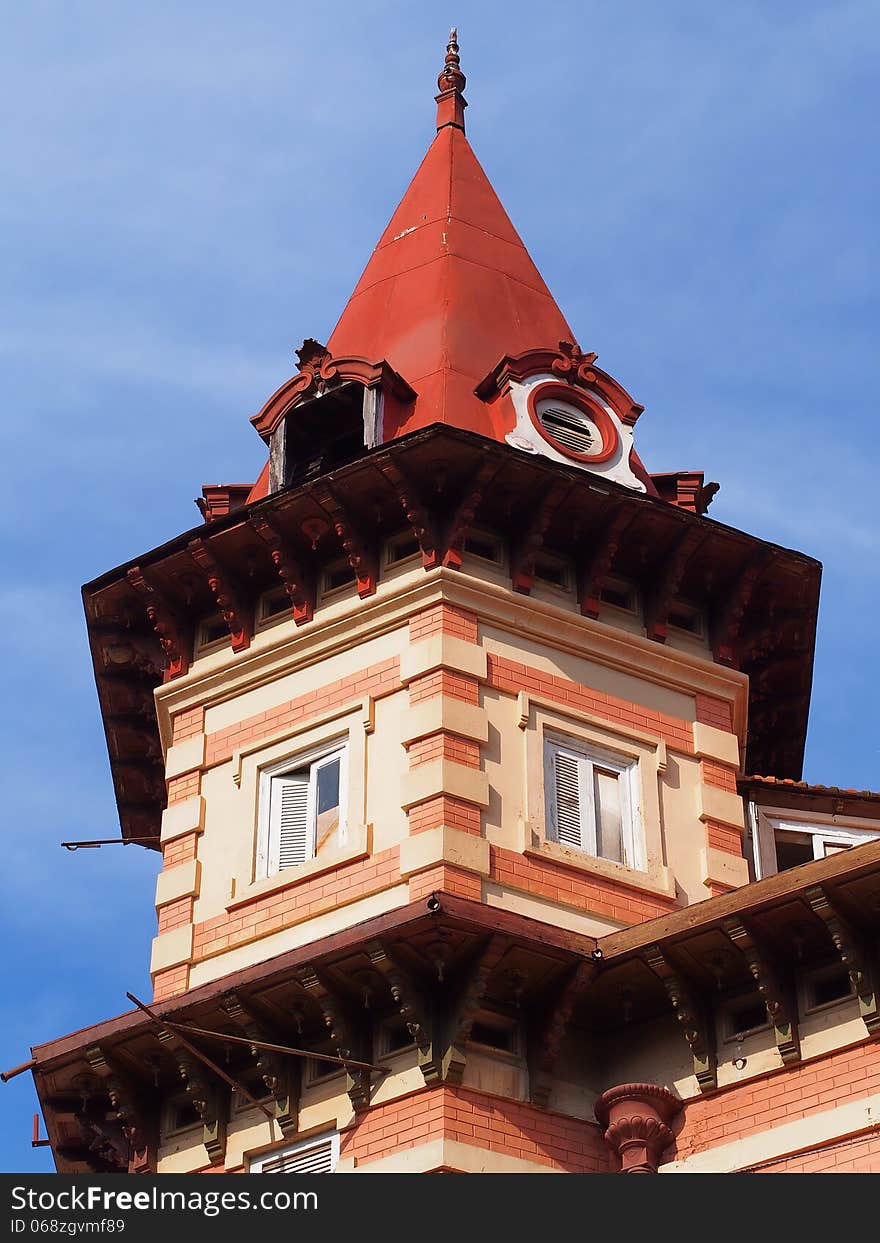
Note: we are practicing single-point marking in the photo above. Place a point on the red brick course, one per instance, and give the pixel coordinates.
(187, 724)
(723, 837)
(558, 883)
(377, 680)
(179, 850)
(510, 675)
(858, 1154)
(451, 880)
(445, 810)
(712, 711)
(187, 785)
(175, 914)
(444, 682)
(443, 619)
(444, 746)
(719, 775)
(171, 982)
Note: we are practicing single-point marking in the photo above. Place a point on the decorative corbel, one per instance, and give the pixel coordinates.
(459, 523)
(138, 1123)
(360, 551)
(548, 1036)
(298, 582)
(853, 953)
(780, 1010)
(411, 1007)
(594, 566)
(726, 626)
(417, 515)
(209, 1102)
(695, 1021)
(281, 1075)
(664, 588)
(232, 609)
(527, 546)
(174, 637)
(461, 1018)
(341, 1032)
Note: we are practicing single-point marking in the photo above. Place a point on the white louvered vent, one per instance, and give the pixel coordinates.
(568, 426)
(318, 1158)
(290, 795)
(568, 799)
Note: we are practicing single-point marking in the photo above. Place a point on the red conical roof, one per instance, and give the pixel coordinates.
(450, 288)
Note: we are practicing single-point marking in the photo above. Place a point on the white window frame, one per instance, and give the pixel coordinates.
(824, 833)
(256, 1164)
(588, 756)
(268, 844)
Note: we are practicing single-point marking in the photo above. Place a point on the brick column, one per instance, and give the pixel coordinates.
(446, 789)
(177, 885)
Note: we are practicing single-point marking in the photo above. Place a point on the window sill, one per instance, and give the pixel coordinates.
(658, 881)
(356, 848)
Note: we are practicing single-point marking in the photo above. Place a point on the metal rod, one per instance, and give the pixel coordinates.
(36, 1142)
(203, 1057)
(108, 841)
(281, 1048)
(18, 1070)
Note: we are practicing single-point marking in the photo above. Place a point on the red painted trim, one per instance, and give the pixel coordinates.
(573, 397)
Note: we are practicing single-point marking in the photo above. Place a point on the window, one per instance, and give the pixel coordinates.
(619, 594)
(402, 548)
(212, 633)
(306, 808)
(485, 547)
(744, 1016)
(273, 605)
(336, 576)
(826, 986)
(593, 803)
(784, 842)
(495, 1032)
(312, 1156)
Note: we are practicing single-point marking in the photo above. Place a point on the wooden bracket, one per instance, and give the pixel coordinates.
(726, 625)
(780, 1009)
(360, 550)
(695, 1021)
(341, 1031)
(411, 1007)
(232, 608)
(282, 1076)
(547, 1037)
(174, 637)
(416, 513)
(138, 1122)
(854, 955)
(595, 564)
(664, 588)
(209, 1102)
(462, 517)
(528, 544)
(298, 582)
(461, 1018)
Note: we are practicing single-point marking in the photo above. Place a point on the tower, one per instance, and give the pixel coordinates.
(443, 728)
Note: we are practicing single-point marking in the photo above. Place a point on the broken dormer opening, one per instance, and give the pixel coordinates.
(320, 433)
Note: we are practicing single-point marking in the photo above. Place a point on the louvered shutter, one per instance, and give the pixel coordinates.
(568, 800)
(318, 1158)
(290, 819)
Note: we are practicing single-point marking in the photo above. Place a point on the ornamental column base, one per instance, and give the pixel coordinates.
(636, 1117)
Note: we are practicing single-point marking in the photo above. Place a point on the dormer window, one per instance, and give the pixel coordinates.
(568, 425)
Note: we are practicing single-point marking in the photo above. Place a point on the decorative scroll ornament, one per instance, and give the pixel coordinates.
(573, 364)
(316, 368)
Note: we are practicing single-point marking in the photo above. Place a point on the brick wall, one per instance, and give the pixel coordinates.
(783, 1096)
(558, 883)
(302, 899)
(508, 1128)
(377, 680)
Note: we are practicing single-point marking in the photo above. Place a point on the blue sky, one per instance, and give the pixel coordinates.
(192, 189)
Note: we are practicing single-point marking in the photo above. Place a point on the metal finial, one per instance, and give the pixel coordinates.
(451, 77)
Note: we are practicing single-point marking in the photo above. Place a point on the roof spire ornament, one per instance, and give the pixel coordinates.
(451, 102)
